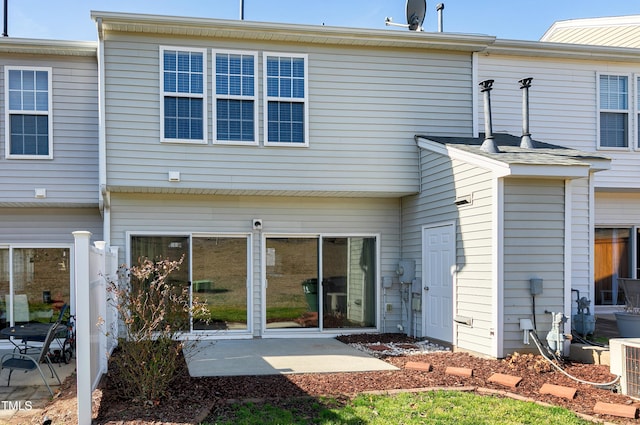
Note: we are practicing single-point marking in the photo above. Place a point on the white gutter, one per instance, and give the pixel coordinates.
(497, 267)
(47, 47)
(568, 259)
(103, 194)
(266, 31)
(562, 50)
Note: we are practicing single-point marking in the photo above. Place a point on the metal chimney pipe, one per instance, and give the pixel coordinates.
(5, 33)
(242, 10)
(525, 142)
(489, 145)
(439, 9)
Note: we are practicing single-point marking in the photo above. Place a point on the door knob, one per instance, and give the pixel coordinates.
(426, 288)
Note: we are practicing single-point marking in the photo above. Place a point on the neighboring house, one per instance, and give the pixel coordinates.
(586, 98)
(621, 31)
(617, 133)
(49, 184)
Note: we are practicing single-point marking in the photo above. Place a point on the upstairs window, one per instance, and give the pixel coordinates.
(286, 106)
(235, 97)
(184, 101)
(614, 111)
(28, 113)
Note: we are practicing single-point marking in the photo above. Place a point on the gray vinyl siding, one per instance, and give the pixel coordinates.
(534, 228)
(581, 233)
(280, 215)
(365, 106)
(71, 177)
(474, 245)
(47, 225)
(563, 107)
(617, 209)
(442, 181)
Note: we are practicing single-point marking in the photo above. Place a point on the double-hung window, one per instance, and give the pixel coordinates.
(28, 129)
(183, 88)
(236, 119)
(614, 111)
(285, 103)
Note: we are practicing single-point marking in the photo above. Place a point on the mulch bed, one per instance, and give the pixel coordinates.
(193, 399)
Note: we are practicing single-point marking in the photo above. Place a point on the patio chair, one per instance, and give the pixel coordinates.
(20, 307)
(28, 362)
(60, 334)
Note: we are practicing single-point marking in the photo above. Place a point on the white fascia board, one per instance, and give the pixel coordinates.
(48, 47)
(320, 34)
(599, 164)
(560, 171)
(498, 167)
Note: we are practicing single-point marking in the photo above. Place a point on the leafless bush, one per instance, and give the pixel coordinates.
(153, 310)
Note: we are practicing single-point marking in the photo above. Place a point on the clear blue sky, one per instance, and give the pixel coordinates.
(511, 19)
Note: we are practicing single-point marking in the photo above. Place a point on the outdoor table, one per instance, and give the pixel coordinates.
(26, 333)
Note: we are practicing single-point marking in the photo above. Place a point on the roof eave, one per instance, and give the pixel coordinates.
(563, 50)
(48, 47)
(504, 169)
(317, 34)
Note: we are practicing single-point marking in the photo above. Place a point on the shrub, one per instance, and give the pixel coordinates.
(153, 311)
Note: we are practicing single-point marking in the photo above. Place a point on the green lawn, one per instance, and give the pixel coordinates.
(439, 407)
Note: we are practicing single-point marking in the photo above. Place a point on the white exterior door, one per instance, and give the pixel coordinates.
(438, 262)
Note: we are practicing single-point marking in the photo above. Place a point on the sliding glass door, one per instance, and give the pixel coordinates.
(220, 279)
(35, 283)
(215, 271)
(612, 254)
(334, 276)
(292, 299)
(172, 248)
(349, 282)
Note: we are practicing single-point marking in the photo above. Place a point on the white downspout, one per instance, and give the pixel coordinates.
(497, 267)
(474, 95)
(568, 259)
(103, 194)
(592, 241)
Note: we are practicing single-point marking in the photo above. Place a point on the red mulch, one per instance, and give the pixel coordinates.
(192, 399)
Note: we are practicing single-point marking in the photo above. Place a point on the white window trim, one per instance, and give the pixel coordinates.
(630, 111)
(10, 247)
(275, 332)
(216, 96)
(7, 112)
(217, 334)
(203, 96)
(266, 99)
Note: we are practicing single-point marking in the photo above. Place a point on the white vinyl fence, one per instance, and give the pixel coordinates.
(96, 319)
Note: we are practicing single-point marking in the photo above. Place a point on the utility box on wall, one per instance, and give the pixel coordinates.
(406, 271)
(416, 302)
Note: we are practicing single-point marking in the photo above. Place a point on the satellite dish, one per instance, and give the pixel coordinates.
(416, 11)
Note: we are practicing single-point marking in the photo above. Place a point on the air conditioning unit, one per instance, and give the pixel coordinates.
(625, 362)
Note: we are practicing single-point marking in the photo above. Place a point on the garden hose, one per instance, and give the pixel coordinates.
(596, 384)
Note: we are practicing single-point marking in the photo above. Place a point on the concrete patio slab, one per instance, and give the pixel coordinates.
(277, 356)
(27, 391)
